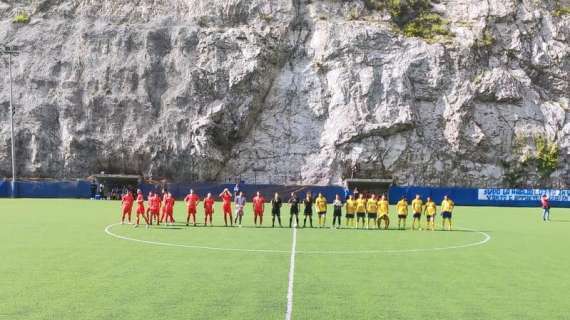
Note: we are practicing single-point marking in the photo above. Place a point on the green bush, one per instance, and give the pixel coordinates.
(562, 11)
(404, 11)
(547, 157)
(374, 4)
(486, 40)
(427, 26)
(22, 17)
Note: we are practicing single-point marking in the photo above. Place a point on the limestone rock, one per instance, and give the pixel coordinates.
(282, 91)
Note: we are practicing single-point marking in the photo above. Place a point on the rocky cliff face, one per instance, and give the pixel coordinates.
(286, 91)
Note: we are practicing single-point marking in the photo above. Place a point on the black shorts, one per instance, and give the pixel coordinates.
(372, 215)
(402, 216)
(350, 215)
(294, 212)
(337, 212)
(310, 213)
(417, 215)
(322, 213)
(361, 215)
(384, 217)
(446, 215)
(429, 218)
(273, 213)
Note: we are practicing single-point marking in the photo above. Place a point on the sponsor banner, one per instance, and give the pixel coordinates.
(522, 194)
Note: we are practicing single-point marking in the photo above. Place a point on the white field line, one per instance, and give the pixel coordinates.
(289, 311)
(108, 231)
(486, 238)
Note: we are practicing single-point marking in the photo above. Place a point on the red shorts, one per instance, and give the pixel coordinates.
(140, 210)
(227, 209)
(258, 213)
(209, 213)
(192, 210)
(154, 211)
(169, 211)
(127, 209)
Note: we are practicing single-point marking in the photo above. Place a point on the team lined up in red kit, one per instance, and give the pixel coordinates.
(161, 210)
(153, 211)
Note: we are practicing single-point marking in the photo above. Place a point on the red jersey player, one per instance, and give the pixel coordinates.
(169, 207)
(227, 206)
(140, 208)
(258, 208)
(127, 206)
(153, 207)
(158, 205)
(149, 200)
(208, 208)
(191, 201)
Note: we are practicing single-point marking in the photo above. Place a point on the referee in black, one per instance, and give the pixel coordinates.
(294, 209)
(308, 203)
(276, 209)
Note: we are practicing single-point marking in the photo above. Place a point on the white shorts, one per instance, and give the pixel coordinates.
(239, 211)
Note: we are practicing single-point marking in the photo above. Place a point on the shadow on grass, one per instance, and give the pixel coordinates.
(182, 226)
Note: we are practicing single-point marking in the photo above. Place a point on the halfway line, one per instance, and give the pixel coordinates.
(291, 276)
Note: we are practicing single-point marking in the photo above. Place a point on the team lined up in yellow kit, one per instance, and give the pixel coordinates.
(373, 211)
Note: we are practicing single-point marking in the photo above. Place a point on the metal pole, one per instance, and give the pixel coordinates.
(13, 194)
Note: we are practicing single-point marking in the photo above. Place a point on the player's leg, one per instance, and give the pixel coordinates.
(279, 219)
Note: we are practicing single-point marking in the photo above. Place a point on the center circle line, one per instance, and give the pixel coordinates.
(486, 238)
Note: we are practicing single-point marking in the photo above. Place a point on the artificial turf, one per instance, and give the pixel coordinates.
(58, 263)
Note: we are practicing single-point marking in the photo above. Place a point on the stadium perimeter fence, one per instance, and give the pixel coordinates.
(461, 196)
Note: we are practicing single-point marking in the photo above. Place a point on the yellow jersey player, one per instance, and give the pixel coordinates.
(360, 209)
(383, 208)
(321, 204)
(430, 209)
(350, 211)
(402, 209)
(371, 210)
(446, 210)
(417, 207)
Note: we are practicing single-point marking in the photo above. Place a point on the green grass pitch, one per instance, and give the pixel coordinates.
(58, 263)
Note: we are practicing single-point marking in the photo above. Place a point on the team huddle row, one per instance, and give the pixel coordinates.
(360, 211)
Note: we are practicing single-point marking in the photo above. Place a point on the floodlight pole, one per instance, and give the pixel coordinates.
(10, 52)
